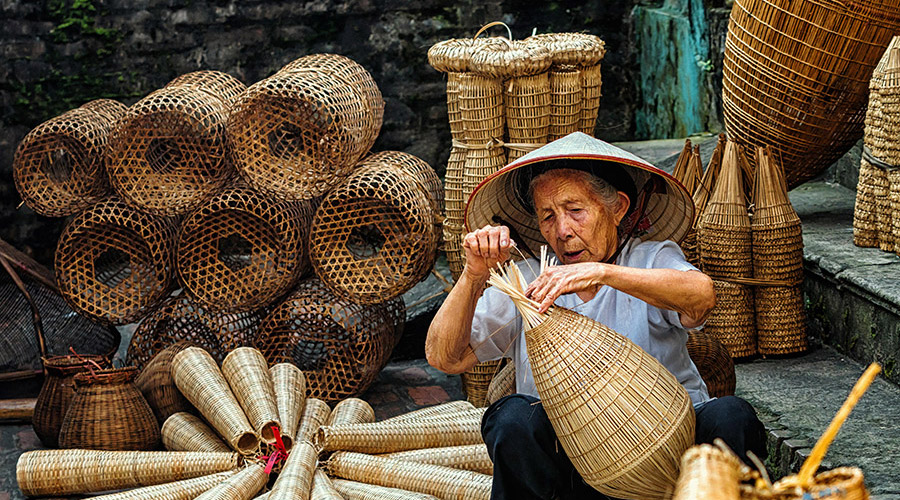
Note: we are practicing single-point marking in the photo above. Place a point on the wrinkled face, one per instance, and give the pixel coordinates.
(573, 219)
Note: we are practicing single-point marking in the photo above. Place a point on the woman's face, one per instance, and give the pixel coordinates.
(575, 221)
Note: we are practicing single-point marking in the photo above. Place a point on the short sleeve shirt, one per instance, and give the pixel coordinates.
(497, 329)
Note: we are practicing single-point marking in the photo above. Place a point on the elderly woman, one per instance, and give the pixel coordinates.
(609, 218)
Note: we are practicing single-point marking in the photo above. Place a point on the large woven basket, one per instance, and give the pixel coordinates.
(503, 384)
(733, 321)
(714, 363)
(157, 385)
(59, 166)
(57, 393)
(796, 75)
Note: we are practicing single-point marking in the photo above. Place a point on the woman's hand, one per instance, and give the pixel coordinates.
(485, 248)
(560, 280)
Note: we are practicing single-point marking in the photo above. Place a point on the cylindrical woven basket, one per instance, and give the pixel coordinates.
(483, 120)
(872, 185)
(56, 394)
(355, 490)
(442, 482)
(724, 232)
(315, 414)
(187, 489)
(732, 322)
(591, 82)
(340, 345)
(247, 374)
(503, 384)
(894, 179)
(157, 385)
(565, 102)
(418, 169)
(69, 472)
(242, 250)
(473, 457)
(714, 363)
(780, 320)
(296, 477)
(289, 384)
(114, 263)
(795, 76)
(526, 101)
(242, 486)
(701, 197)
(109, 413)
(709, 473)
(215, 83)
(59, 166)
(185, 432)
(351, 411)
(323, 488)
(777, 233)
(202, 383)
(438, 410)
(476, 380)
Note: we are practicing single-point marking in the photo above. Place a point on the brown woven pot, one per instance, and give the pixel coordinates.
(158, 387)
(714, 363)
(109, 413)
(56, 394)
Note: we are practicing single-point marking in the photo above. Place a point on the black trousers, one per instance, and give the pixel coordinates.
(529, 462)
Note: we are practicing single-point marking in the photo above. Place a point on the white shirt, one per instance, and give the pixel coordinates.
(497, 329)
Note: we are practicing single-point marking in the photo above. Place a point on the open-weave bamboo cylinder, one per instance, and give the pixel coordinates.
(167, 153)
(565, 101)
(113, 263)
(503, 384)
(351, 411)
(296, 477)
(795, 76)
(476, 380)
(59, 166)
(439, 410)
(183, 431)
(315, 414)
(187, 489)
(713, 361)
(732, 322)
(202, 383)
(157, 385)
(242, 486)
(473, 457)
(454, 208)
(481, 109)
(323, 488)
(289, 384)
(700, 198)
(182, 319)
(709, 473)
(241, 250)
(247, 374)
(340, 345)
(526, 100)
(355, 490)
(591, 83)
(70, 472)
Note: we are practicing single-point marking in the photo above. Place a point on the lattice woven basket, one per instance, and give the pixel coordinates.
(187, 489)
(59, 166)
(289, 384)
(565, 101)
(526, 101)
(714, 363)
(503, 384)
(473, 457)
(351, 411)
(114, 263)
(732, 322)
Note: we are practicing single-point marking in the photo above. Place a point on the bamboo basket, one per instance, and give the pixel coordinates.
(56, 394)
(575, 49)
(167, 153)
(482, 113)
(202, 383)
(418, 169)
(114, 264)
(842, 483)
(526, 100)
(413, 434)
(591, 82)
(185, 432)
(296, 478)
(780, 320)
(109, 413)
(241, 250)
(872, 185)
(473, 457)
(475, 381)
(701, 197)
(58, 167)
(247, 374)
(732, 322)
(340, 345)
(355, 490)
(714, 363)
(453, 249)
(351, 411)
(454, 206)
(449, 409)
(315, 414)
(565, 101)
(323, 488)
(795, 76)
(289, 384)
(70, 472)
(442, 482)
(709, 473)
(481, 161)
(503, 384)
(156, 384)
(455, 55)
(187, 489)
(242, 486)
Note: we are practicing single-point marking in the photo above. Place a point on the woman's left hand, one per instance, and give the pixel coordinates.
(560, 280)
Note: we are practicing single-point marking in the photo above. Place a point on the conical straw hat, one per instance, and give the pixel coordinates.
(290, 397)
(202, 383)
(323, 488)
(187, 489)
(183, 431)
(473, 457)
(295, 479)
(247, 374)
(351, 411)
(242, 486)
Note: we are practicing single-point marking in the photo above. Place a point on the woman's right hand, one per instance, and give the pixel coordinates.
(485, 248)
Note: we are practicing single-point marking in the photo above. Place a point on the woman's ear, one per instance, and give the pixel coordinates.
(621, 207)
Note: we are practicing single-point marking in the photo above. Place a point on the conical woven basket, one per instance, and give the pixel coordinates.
(315, 414)
(351, 411)
(114, 264)
(713, 361)
(56, 394)
(323, 488)
(185, 432)
(247, 374)
(476, 380)
(157, 385)
(701, 197)
(565, 101)
(242, 486)
(59, 166)
(70, 472)
(187, 489)
(732, 322)
(355, 490)
(503, 384)
(710, 473)
(289, 384)
(473, 457)
(439, 410)
(296, 477)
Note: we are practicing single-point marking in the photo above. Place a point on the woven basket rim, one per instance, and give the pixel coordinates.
(107, 377)
(70, 364)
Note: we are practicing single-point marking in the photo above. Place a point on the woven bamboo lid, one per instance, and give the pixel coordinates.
(577, 49)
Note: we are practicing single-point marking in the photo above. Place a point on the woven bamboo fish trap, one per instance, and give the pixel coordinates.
(482, 113)
(296, 477)
(114, 264)
(475, 381)
(157, 385)
(69, 472)
(622, 418)
(340, 345)
(242, 250)
(473, 457)
(565, 101)
(591, 83)
(733, 322)
(242, 486)
(315, 414)
(298, 133)
(289, 384)
(182, 319)
(167, 154)
(185, 432)
(701, 197)
(351, 411)
(355, 490)
(710, 473)
(526, 100)
(714, 363)
(444, 409)
(59, 166)
(503, 384)
(795, 76)
(109, 413)
(187, 489)
(454, 206)
(56, 394)
(202, 383)
(323, 488)
(780, 320)
(247, 374)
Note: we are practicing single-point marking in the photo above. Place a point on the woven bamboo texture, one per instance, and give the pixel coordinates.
(247, 374)
(476, 380)
(167, 154)
(448, 409)
(351, 411)
(418, 169)
(242, 486)
(510, 60)
(69, 472)
(355, 490)
(315, 415)
(795, 76)
(732, 322)
(577, 49)
(565, 102)
(202, 383)
(714, 363)
(591, 82)
(56, 394)
(187, 489)
(503, 384)
(455, 55)
(58, 167)
(483, 121)
(842, 483)
(157, 385)
(182, 319)
(413, 434)
(185, 432)
(323, 488)
(289, 384)
(374, 236)
(442, 482)
(242, 250)
(710, 473)
(454, 201)
(114, 263)
(526, 101)
(340, 345)
(473, 457)
(296, 477)
(873, 184)
(780, 320)
(109, 413)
